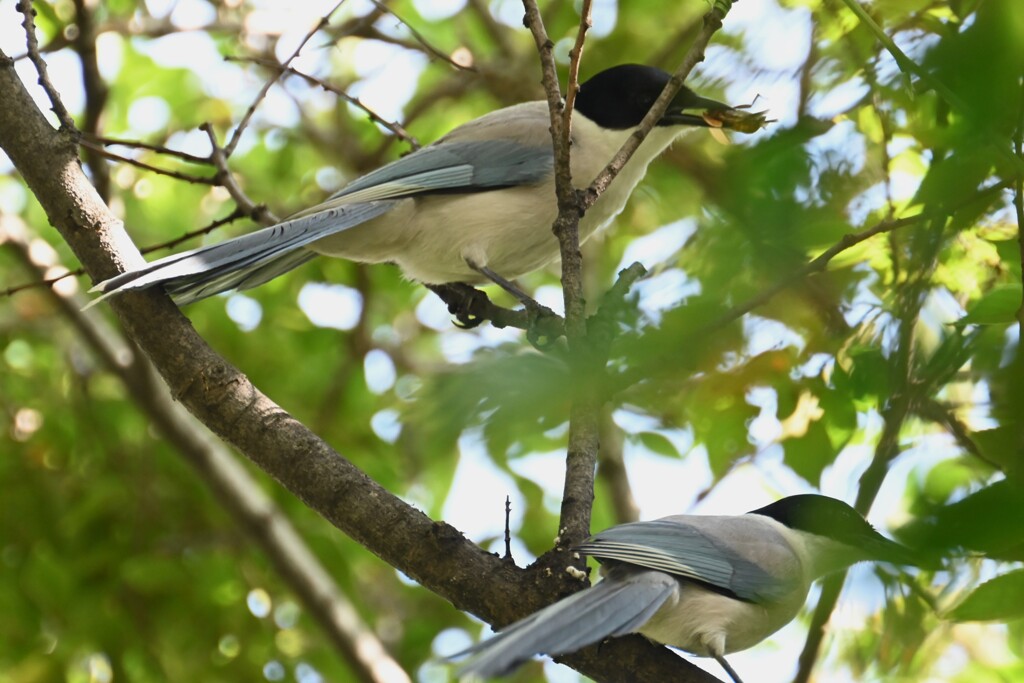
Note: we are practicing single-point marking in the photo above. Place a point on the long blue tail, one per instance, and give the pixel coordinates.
(242, 262)
(615, 606)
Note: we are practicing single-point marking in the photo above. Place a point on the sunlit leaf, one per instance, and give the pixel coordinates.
(998, 306)
(1000, 598)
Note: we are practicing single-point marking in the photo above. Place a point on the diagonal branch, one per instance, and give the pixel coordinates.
(395, 127)
(695, 55)
(32, 41)
(909, 66)
(433, 553)
(662, 355)
(229, 149)
(234, 489)
(895, 410)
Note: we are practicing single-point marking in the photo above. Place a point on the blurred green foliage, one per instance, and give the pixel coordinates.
(116, 563)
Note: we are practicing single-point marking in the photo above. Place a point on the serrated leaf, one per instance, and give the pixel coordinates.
(1000, 599)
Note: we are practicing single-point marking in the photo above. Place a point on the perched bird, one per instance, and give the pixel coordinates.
(477, 204)
(710, 585)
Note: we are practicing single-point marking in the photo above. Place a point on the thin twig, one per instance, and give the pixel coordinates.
(909, 66)
(695, 55)
(1018, 199)
(549, 79)
(45, 282)
(815, 265)
(178, 175)
(96, 91)
(847, 241)
(394, 126)
(497, 32)
(572, 86)
(259, 212)
(32, 42)
(427, 47)
(239, 212)
(508, 530)
(932, 409)
(895, 409)
(49, 282)
(139, 144)
(229, 149)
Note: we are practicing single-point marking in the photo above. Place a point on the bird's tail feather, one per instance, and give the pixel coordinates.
(242, 262)
(613, 607)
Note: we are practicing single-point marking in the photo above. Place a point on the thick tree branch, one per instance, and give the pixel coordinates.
(433, 553)
(234, 489)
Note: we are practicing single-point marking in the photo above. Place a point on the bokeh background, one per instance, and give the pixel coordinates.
(893, 375)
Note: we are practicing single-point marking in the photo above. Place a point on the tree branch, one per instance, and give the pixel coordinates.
(32, 41)
(432, 553)
(695, 55)
(818, 264)
(234, 489)
(229, 149)
(584, 428)
(894, 411)
(96, 91)
(394, 126)
(909, 66)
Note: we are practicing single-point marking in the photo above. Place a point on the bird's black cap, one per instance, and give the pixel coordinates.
(834, 519)
(620, 97)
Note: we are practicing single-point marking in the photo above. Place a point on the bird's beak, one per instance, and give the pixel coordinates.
(880, 548)
(690, 109)
(685, 103)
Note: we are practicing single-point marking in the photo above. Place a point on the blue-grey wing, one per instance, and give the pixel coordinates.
(466, 166)
(683, 550)
(250, 260)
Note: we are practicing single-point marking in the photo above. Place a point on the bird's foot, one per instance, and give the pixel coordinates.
(469, 305)
(543, 326)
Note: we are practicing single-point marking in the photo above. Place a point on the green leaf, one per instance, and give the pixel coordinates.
(997, 306)
(1002, 446)
(1000, 599)
(658, 443)
(810, 454)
